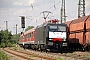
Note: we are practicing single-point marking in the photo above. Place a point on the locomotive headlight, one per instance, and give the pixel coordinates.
(64, 39)
(50, 39)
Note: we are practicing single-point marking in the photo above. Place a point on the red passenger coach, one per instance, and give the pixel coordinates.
(28, 37)
(22, 38)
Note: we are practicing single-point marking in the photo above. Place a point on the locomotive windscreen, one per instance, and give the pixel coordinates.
(57, 28)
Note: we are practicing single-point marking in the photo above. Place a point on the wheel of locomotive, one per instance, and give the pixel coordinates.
(57, 48)
(60, 48)
(46, 48)
(41, 48)
(88, 48)
(83, 49)
(33, 46)
(37, 47)
(29, 46)
(24, 46)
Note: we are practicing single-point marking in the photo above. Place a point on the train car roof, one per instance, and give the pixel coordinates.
(31, 30)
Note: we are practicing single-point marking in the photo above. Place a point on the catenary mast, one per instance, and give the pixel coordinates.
(63, 14)
(81, 8)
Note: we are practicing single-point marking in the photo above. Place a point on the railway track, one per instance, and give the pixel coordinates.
(29, 54)
(75, 55)
(18, 55)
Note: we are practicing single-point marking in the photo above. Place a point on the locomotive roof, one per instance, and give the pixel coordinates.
(45, 24)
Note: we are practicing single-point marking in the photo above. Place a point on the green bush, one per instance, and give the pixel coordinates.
(9, 44)
(0, 46)
(3, 45)
(3, 56)
(15, 48)
(13, 45)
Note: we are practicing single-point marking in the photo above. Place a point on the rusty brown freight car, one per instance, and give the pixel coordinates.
(79, 33)
(78, 24)
(87, 33)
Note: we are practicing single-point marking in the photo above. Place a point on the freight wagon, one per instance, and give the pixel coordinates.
(79, 33)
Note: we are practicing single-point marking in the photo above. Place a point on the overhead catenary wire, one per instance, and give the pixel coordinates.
(47, 9)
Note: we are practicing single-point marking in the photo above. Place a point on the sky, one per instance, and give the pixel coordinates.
(11, 10)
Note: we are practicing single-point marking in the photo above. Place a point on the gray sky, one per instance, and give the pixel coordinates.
(10, 10)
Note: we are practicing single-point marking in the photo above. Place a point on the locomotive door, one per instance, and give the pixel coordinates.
(44, 35)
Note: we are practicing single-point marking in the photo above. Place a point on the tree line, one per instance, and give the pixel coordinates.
(12, 39)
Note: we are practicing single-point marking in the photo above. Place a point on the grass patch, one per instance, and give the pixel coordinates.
(31, 56)
(3, 56)
(88, 56)
(59, 58)
(69, 54)
(16, 47)
(44, 52)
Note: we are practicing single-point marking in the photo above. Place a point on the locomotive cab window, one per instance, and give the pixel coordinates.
(61, 28)
(52, 28)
